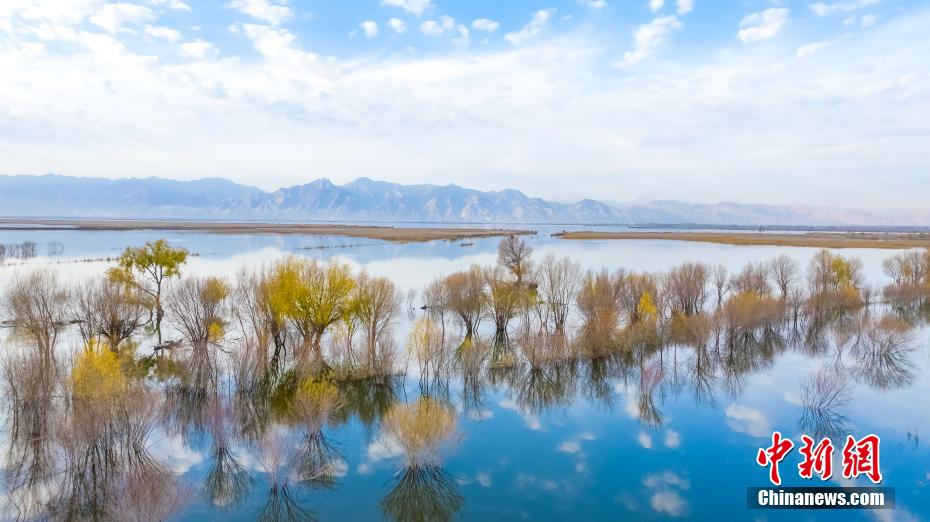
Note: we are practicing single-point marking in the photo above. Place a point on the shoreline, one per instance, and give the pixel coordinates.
(386, 233)
(813, 240)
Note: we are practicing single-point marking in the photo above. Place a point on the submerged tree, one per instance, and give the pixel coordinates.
(108, 312)
(36, 304)
(558, 283)
(464, 297)
(377, 304)
(317, 296)
(197, 307)
(514, 254)
(146, 269)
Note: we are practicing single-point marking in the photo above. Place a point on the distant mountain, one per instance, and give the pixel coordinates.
(369, 200)
(65, 196)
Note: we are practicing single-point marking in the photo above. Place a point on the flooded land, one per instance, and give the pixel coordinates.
(169, 372)
(387, 233)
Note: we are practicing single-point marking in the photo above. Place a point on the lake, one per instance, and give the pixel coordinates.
(666, 432)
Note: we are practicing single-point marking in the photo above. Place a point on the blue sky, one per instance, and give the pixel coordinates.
(753, 101)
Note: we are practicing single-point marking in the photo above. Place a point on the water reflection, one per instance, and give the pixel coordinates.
(270, 393)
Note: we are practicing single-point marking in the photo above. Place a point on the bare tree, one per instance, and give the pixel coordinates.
(721, 283)
(197, 308)
(108, 311)
(785, 273)
(377, 306)
(36, 304)
(753, 278)
(514, 254)
(464, 293)
(558, 283)
(686, 287)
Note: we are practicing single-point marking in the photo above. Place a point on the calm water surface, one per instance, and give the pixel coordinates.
(658, 436)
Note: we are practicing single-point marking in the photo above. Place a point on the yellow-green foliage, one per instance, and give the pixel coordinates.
(422, 429)
(313, 295)
(97, 377)
(424, 339)
(154, 261)
(316, 400)
(646, 309)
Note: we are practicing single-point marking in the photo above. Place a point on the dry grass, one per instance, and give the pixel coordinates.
(412, 234)
(812, 239)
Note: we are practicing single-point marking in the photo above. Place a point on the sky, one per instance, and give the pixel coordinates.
(755, 101)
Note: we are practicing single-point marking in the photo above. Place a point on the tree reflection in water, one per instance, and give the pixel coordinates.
(255, 376)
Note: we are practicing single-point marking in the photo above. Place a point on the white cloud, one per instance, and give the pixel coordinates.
(370, 28)
(172, 451)
(537, 107)
(806, 50)
(197, 48)
(644, 440)
(570, 446)
(685, 7)
(484, 24)
(414, 7)
(484, 479)
(669, 503)
(672, 439)
(665, 479)
(762, 25)
(665, 498)
(648, 38)
(532, 29)
(464, 36)
(163, 33)
(656, 5)
(748, 420)
(438, 28)
(274, 12)
(113, 17)
(174, 5)
(397, 25)
(869, 20)
(593, 4)
(824, 9)
(384, 447)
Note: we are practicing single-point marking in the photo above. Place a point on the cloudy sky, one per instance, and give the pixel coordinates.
(775, 101)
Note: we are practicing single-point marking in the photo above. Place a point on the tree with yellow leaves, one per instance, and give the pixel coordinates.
(315, 296)
(146, 269)
(97, 378)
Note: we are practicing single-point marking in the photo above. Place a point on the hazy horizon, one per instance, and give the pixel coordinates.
(790, 103)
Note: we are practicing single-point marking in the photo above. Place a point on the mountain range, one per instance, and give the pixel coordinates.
(365, 199)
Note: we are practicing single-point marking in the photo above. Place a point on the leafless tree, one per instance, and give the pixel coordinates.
(36, 303)
(785, 273)
(514, 254)
(377, 306)
(197, 306)
(753, 278)
(721, 283)
(558, 284)
(464, 296)
(108, 311)
(686, 287)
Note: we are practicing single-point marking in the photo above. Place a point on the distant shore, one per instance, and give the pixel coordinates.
(813, 239)
(386, 233)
